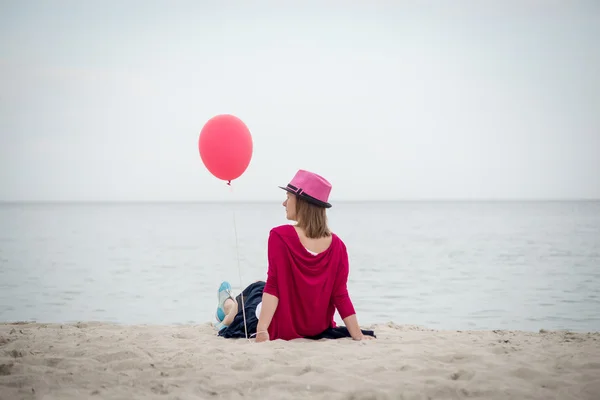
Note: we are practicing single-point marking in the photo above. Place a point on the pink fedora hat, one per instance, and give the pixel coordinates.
(311, 187)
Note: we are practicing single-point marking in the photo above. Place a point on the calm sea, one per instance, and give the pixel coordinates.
(448, 265)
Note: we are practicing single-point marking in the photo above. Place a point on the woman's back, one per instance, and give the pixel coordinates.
(309, 287)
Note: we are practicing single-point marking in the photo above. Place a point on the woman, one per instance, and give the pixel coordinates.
(307, 274)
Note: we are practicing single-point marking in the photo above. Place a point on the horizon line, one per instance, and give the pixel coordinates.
(423, 200)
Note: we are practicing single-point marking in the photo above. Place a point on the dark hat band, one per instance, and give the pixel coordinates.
(303, 195)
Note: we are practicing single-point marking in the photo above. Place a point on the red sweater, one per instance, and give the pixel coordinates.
(309, 287)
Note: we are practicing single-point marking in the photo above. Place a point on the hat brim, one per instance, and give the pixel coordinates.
(308, 198)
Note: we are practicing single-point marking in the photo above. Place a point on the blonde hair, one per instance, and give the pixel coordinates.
(312, 219)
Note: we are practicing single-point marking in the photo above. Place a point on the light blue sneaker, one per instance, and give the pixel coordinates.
(219, 326)
(223, 294)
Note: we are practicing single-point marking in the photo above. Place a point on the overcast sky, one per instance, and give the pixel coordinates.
(104, 100)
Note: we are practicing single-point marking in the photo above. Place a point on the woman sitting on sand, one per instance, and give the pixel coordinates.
(306, 279)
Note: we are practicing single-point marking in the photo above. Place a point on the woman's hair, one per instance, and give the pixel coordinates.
(312, 219)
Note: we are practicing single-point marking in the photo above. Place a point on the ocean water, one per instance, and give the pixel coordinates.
(444, 265)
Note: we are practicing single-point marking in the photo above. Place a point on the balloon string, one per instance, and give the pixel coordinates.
(237, 251)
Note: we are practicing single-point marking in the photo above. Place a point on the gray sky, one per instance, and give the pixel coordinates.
(105, 100)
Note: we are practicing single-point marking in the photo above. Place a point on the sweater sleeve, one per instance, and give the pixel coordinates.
(341, 298)
(274, 250)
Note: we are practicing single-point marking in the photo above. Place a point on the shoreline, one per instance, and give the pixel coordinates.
(363, 326)
(105, 360)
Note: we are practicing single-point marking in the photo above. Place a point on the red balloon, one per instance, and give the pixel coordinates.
(225, 146)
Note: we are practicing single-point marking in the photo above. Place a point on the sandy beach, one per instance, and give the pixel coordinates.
(106, 361)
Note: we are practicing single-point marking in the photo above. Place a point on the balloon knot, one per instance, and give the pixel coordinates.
(228, 183)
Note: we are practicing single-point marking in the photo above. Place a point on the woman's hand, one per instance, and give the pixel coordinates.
(365, 337)
(267, 310)
(354, 329)
(262, 336)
